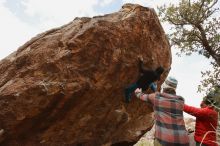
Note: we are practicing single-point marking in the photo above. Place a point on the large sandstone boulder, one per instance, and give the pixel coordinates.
(65, 86)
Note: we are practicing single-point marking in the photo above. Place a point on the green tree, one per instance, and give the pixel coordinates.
(196, 28)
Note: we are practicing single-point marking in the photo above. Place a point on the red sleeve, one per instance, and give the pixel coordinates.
(197, 112)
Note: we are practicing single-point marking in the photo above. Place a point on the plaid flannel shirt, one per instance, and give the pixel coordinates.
(169, 124)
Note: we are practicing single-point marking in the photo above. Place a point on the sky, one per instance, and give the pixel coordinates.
(23, 19)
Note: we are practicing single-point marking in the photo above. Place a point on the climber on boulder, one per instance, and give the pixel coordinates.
(146, 79)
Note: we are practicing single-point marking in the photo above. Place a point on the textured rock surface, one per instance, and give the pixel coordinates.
(65, 86)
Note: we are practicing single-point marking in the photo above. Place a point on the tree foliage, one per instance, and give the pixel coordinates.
(216, 96)
(196, 28)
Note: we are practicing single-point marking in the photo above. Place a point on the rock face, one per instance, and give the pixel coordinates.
(65, 86)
